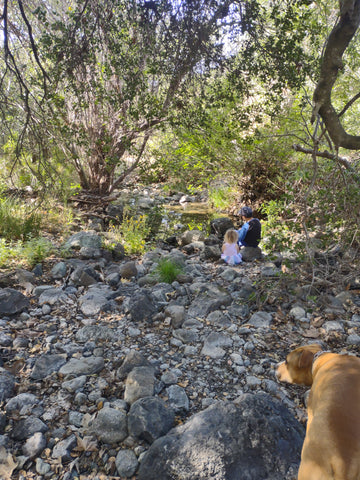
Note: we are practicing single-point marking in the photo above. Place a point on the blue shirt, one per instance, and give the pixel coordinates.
(250, 233)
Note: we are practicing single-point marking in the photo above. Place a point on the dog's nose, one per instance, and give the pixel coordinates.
(278, 371)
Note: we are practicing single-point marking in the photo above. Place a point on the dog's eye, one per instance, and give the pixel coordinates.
(286, 362)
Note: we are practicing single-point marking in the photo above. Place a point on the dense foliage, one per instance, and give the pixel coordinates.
(193, 93)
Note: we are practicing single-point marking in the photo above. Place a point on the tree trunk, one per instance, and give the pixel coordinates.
(338, 41)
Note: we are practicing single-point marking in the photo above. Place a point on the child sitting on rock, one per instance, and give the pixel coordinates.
(230, 249)
(250, 232)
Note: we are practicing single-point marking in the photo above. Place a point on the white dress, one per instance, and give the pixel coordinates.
(230, 254)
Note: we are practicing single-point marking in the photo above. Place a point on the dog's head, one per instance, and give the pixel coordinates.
(298, 364)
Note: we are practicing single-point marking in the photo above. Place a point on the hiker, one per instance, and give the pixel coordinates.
(249, 234)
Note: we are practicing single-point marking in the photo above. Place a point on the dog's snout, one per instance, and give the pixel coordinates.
(281, 372)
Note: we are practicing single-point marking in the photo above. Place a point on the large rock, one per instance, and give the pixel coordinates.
(110, 426)
(53, 296)
(149, 418)
(26, 427)
(209, 301)
(128, 270)
(46, 364)
(7, 384)
(140, 307)
(84, 276)
(97, 299)
(139, 383)
(83, 366)
(218, 226)
(12, 301)
(255, 438)
(191, 236)
(96, 333)
(211, 252)
(83, 239)
(251, 253)
(133, 359)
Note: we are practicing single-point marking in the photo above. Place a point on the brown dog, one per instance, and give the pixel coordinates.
(331, 447)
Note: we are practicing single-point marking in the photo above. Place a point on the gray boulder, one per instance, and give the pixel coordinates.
(26, 427)
(97, 299)
(254, 438)
(251, 253)
(83, 239)
(20, 401)
(211, 252)
(133, 359)
(139, 383)
(218, 226)
(141, 307)
(110, 426)
(83, 366)
(261, 319)
(209, 301)
(84, 276)
(126, 463)
(177, 314)
(46, 365)
(149, 419)
(63, 448)
(128, 270)
(59, 270)
(191, 236)
(177, 399)
(96, 333)
(7, 384)
(12, 301)
(52, 296)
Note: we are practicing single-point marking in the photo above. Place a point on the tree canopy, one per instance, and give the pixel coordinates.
(88, 83)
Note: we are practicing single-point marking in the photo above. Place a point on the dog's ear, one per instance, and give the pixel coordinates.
(306, 358)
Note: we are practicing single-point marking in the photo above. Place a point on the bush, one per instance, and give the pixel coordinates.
(132, 233)
(36, 249)
(167, 270)
(26, 254)
(18, 220)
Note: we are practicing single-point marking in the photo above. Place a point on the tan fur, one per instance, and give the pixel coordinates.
(331, 449)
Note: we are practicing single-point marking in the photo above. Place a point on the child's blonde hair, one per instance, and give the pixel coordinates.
(231, 236)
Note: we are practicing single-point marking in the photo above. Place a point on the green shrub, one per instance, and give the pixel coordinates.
(167, 270)
(35, 250)
(131, 233)
(7, 253)
(26, 254)
(59, 217)
(18, 220)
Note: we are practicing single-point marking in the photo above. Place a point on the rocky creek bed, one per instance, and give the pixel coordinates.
(108, 374)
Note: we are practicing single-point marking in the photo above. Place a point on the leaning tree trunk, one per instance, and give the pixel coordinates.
(338, 40)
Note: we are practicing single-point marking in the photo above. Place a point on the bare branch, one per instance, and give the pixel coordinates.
(331, 156)
(323, 154)
(127, 172)
(348, 105)
(32, 43)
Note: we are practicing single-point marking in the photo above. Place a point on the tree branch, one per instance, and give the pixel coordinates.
(348, 105)
(331, 156)
(134, 165)
(32, 43)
